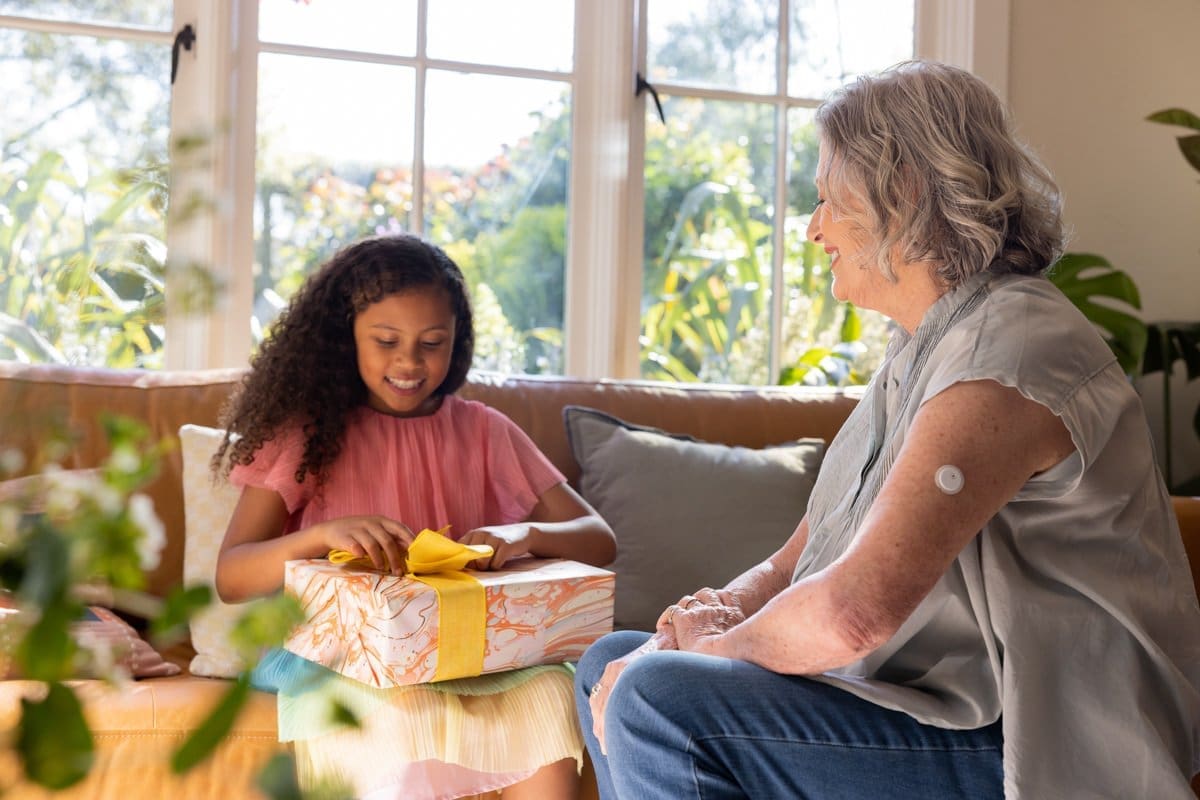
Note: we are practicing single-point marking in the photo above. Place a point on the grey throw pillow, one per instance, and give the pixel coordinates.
(686, 513)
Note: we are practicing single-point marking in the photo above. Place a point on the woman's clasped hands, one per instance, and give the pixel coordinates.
(694, 624)
(698, 620)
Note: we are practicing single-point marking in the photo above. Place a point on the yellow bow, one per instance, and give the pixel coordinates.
(430, 552)
(437, 561)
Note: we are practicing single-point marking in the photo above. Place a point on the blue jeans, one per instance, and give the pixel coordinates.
(682, 725)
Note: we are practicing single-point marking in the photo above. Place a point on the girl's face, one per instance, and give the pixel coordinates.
(404, 344)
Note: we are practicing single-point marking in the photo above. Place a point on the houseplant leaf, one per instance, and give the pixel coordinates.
(209, 734)
(53, 739)
(1171, 341)
(1176, 116)
(1190, 147)
(1086, 277)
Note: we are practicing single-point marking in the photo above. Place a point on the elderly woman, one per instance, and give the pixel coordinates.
(988, 596)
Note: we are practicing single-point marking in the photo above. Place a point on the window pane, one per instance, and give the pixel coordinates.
(723, 44)
(832, 41)
(536, 34)
(707, 261)
(82, 222)
(323, 183)
(153, 14)
(496, 199)
(823, 341)
(373, 26)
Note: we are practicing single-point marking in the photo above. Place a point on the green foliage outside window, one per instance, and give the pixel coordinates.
(77, 287)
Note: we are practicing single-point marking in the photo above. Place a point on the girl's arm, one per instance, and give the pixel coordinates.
(561, 525)
(253, 553)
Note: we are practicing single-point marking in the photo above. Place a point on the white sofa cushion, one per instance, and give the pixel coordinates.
(207, 507)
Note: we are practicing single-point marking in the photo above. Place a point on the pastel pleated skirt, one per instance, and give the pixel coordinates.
(429, 742)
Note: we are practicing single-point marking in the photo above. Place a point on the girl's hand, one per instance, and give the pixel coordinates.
(598, 698)
(385, 541)
(507, 542)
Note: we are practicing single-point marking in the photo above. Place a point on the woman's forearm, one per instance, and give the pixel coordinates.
(756, 586)
(802, 631)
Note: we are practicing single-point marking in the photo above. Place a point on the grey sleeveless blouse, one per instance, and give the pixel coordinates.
(1072, 616)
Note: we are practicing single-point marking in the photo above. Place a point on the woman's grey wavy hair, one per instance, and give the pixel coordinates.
(927, 152)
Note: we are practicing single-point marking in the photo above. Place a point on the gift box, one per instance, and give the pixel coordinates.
(386, 630)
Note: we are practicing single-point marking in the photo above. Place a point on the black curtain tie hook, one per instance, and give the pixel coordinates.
(644, 85)
(185, 38)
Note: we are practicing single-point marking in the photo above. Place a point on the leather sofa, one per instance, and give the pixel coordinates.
(137, 728)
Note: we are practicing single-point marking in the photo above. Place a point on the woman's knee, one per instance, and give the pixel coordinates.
(605, 649)
(666, 681)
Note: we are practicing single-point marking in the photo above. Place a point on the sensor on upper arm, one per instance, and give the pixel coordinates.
(949, 479)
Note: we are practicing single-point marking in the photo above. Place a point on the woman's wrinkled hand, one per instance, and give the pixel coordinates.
(598, 697)
(383, 540)
(507, 542)
(698, 620)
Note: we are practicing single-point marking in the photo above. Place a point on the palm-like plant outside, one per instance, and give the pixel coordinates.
(74, 272)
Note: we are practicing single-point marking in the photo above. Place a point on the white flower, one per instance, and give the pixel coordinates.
(107, 498)
(126, 460)
(68, 490)
(12, 461)
(154, 537)
(64, 490)
(10, 518)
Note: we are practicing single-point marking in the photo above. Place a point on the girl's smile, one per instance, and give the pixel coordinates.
(404, 344)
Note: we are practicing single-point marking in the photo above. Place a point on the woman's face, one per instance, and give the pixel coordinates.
(404, 345)
(837, 229)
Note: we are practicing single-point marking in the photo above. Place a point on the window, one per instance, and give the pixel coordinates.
(451, 118)
(507, 132)
(83, 155)
(732, 291)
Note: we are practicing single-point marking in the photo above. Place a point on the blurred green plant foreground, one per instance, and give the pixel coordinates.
(72, 534)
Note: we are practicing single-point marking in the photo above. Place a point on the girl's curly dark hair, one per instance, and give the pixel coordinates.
(306, 372)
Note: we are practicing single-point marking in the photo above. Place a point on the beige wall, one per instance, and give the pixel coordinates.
(1083, 75)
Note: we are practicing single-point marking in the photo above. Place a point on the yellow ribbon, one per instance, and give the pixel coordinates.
(437, 561)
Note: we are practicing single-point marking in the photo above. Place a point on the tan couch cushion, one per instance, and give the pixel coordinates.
(138, 727)
(37, 398)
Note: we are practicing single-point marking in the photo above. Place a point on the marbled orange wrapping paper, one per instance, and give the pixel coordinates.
(382, 630)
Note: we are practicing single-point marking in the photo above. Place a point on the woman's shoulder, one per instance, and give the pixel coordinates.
(1025, 334)
(1028, 313)
(1034, 291)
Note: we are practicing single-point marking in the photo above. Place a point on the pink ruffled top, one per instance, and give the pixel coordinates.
(466, 465)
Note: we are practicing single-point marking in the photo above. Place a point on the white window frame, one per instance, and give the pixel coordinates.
(603, 280)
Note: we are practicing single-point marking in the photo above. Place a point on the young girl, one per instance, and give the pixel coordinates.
(346, 434)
